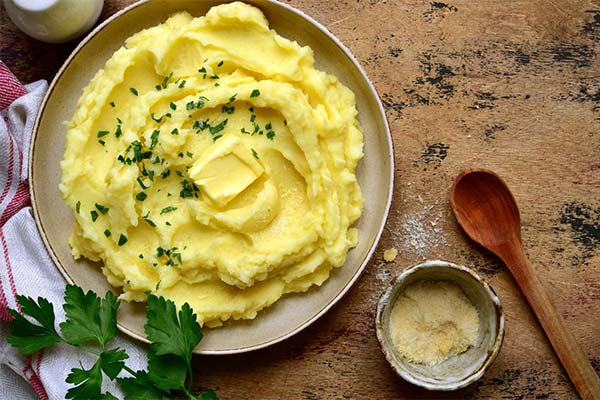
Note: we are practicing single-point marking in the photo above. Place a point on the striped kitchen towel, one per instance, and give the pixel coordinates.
(25, 266)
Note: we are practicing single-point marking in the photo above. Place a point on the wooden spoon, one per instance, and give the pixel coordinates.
(488, 212)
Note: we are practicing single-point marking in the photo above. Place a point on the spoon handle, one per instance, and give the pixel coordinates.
(571, 355)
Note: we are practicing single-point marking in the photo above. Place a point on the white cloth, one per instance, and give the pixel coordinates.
(25, 266)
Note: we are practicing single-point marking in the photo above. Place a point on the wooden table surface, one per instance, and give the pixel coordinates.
(513, 86)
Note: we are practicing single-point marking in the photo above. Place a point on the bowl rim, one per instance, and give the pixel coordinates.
(388, 201)
(491, 354)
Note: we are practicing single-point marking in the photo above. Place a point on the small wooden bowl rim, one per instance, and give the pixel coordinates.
(399, 369)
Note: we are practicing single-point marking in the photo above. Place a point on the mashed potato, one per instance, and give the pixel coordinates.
(211, 163)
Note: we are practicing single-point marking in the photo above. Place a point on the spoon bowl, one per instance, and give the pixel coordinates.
(486, 209)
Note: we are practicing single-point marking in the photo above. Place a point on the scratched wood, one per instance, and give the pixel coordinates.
(513, 86)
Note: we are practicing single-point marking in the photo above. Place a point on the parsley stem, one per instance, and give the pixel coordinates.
(188, 394)
(189, 385)
(132, 372)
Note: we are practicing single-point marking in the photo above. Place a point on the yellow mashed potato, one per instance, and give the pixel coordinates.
(211, 163)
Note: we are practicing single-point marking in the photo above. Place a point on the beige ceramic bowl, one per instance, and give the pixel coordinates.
(375, 172)
(463, 369)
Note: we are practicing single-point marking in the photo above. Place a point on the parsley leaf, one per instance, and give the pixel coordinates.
(134, 91)
(101, 208)
(171, 332)
(89, 318)
(219, 127)
(167, 371)
(167, 210)
(78, 206)
(189, 189)
(140, 388)
(122, 240)
(112, 362)
(255, 93)
(154, 138)
(89, 383)
(28, 337)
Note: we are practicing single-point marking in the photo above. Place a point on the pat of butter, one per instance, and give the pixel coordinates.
(225, 170)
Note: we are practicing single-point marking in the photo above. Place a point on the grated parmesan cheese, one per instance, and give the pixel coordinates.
(433, 321)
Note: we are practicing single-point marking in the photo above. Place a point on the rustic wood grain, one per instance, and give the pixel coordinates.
(512, 86)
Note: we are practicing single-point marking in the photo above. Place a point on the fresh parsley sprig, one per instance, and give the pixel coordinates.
(91, 325)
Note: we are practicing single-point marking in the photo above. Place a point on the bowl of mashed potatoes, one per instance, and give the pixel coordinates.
(233, 156)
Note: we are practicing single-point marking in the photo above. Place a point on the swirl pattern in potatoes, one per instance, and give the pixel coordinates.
(211, 163)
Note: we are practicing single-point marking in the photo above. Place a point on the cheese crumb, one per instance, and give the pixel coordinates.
(433, 321)
(389, 255)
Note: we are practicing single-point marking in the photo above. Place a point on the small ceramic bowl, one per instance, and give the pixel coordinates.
(463, 369)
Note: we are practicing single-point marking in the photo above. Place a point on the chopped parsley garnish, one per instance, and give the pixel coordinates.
(214, 76)
(285, 122)
(122, 240)
(175, 132)
(219, 127)
(268, 126)
(134, 91)
(252, 118)
(270, 135)
(168, 223)
(232, 98)
(102, 142)
(251, 109)
(158, 87)
(156, 160)
(219, 64)
(180, 155)
(254, 153)
(243, 130)
(166, 80)
(182, 84)
(255, 93)
(139, 180)
(154, 118)
(78, 206)
(178, 172)
(112, 104)
(101, 208)
(217, 137)
(203, 71)
(227, 109)
(149, 222)
(102, 133)
(118, 131)
(107, 233)
(201, 125)
(165, 173)
(170, 254)
(189, 154)
(173, 106)
(94, 215)
(189, 189)
(154, 138)
(138, 154)
(141, 196)
(198, 104)
(167, 210)
(168, 115)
